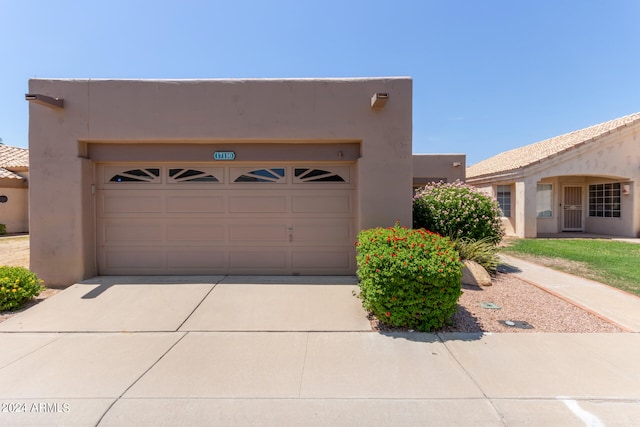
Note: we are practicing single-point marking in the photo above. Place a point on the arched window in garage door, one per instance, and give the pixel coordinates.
(263, 175)
(191, 175)
(317, 175)
(137, 175)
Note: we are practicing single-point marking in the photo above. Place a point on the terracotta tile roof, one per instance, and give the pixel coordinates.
(8, 174)
(527, 155)
(13, 157)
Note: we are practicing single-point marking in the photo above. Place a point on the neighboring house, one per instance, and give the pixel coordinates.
(257, 176)
(587, 180)
(14, 191)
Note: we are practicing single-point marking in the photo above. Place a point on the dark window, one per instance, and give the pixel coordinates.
(317, 175)
(4, 199)
(191, 175)
(124, 178)
(504, 199)
(136, 175)
(262, 175)
(604, 200)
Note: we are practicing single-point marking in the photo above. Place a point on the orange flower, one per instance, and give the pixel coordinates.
(388, 313)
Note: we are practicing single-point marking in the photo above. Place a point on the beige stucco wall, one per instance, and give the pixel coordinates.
(436, 167)
(15, 212)
(508, 223)
(297, 111)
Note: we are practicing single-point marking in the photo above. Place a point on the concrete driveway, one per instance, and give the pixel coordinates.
(291, 351)
(198, 303)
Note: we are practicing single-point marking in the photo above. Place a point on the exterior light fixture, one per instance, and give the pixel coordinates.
(47, 101)
(457, 164)
(379, 99)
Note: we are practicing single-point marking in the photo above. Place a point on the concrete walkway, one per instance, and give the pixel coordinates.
(607, 302)
(161, 351)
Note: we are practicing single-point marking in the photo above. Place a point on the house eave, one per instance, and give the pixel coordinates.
(511, 175)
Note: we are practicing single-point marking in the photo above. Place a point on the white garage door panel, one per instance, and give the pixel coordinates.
(271, 221)
(322, 203)
(334, 232)
(246, 261)
(258, 233)
(317, 262)
(205, 260)
(195, 232)
(136, 202)
(258, 204)
(125, 261)
(194, 204)
(132, 232)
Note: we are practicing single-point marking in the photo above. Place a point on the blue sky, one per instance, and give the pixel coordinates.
(488, 75)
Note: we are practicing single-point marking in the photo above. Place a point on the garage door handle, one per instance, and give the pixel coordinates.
(290, 230)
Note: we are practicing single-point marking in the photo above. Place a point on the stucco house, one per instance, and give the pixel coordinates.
(438, 167)
(257, 176)
(587, 180)
(14, 188)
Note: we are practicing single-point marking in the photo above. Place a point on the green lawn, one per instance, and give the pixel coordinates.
(614, 263)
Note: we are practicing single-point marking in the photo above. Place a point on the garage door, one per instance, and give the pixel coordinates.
(239, 219)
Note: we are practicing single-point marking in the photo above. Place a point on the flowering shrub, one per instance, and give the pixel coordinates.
(17, 286)
(408, 278)
(457, 210)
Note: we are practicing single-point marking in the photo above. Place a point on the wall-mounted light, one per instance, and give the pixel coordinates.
(45, 100)
(457, 164)
(379, 99)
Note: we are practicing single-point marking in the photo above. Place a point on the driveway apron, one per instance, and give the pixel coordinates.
(217, 350)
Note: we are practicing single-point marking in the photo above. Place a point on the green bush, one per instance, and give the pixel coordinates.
(3, 229)
(457, 210)
(17, 286)
(481, 251)
(408, 278)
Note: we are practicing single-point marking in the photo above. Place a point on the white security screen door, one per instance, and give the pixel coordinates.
(572, 209)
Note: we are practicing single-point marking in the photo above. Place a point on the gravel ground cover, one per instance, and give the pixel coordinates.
(14, 251)
(519, 302)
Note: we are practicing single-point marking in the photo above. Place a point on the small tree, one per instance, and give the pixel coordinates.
(457, 210)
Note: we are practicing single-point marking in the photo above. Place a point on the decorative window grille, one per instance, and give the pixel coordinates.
(262, 175)
(137, 175)
(191, 175)
(604, 200)
(317, 175)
